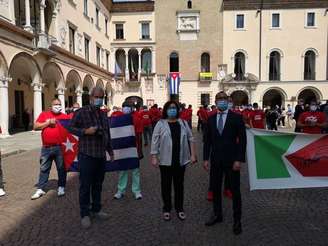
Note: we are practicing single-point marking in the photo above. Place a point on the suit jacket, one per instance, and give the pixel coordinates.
(228, 147)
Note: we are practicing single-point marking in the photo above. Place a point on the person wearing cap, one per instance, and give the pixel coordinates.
(52, 139)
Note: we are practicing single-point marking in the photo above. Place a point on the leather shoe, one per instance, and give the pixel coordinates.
(237, 228)
(214, 220)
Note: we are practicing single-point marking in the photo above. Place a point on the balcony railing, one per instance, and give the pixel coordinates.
(205, 76)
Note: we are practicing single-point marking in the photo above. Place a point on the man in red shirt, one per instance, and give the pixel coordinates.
(51, 148)
(257, 117)
(312, 121)
(146, 121)
(155, 115)
(246, 114)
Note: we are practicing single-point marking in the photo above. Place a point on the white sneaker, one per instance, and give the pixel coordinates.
(2, 192)
(86, 222)
(138, 196)
(118, 195)
(61, 191)
(38, 194)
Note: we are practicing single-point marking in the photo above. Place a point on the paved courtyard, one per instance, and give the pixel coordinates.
(281, 217)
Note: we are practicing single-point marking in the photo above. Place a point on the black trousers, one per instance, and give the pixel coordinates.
(227, 183)
(216, 177)
(176, 174)
(92, 173)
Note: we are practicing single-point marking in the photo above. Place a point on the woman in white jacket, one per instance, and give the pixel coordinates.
(172, 148)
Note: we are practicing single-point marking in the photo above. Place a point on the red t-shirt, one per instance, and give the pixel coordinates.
(257, 118)
(155, 114)
(312, 117)
(184, 114)
(51, 135)
(137, 122)
(246, 115)
(117, 113)
(189, 114)
(203, 115)
(212, 112)
(146, 119)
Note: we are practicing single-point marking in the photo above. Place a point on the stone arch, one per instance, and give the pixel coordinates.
(277, 50)
(100, 83)
(309, 93)
(310, 49)
(73, 84)
(53, 78)
(25, 73)
(274, 96)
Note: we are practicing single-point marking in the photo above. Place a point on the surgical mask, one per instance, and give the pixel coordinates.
(98, 102)
(222, 105)
(126, 110)
(75, 109)
(230, 105)
(172, 113)
(313, 107)
(56, 109)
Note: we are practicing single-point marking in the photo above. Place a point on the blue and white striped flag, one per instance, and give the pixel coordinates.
(174, 80)
(123, 143)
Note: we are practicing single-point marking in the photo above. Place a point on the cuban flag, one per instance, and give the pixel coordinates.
(174, 80)
(123, 143)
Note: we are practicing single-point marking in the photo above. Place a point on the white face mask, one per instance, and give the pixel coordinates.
(126, 110)
(56, 109)
(313, 107)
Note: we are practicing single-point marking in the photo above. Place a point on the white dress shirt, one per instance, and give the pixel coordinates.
(224, 118)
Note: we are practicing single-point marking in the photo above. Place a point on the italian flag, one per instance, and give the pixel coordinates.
(278, 160)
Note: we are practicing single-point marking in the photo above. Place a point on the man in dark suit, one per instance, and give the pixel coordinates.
(225, 145)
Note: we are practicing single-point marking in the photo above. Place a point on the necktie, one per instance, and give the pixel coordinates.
(220, 124)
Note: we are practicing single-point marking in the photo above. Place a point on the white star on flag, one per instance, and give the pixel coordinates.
(69, 145)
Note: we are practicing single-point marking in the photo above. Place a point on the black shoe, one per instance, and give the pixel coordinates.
(237, 228)
(214, 220)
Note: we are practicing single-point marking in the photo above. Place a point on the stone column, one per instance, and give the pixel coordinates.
(27, 26)
(42, 19)
(78, 93)
(4, 106)
(153, 60)
(61, 97)
(113, 60)
(139, 64)
(127, 74)
(37, 99)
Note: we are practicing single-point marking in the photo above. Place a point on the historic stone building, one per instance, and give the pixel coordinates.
(269, 51)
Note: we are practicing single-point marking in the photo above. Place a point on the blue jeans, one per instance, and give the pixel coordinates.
(92, 174)
(48, 155)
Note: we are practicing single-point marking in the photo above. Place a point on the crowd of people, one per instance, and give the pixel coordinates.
(307, 118)
(169, 132)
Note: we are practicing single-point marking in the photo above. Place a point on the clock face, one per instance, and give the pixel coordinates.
(222, 74)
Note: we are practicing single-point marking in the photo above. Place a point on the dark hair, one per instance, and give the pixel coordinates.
(166, 106)
(255, 105)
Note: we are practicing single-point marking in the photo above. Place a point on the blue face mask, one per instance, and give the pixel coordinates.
(222, 105)
(172, 113)
(126, 110)
(98, 102)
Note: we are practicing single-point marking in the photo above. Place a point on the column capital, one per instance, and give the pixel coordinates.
(61, 90)
(139, 51)
(126, 50)
(4, 81)
(37, 86)
(42, 4)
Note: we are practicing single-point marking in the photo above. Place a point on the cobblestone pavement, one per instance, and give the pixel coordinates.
(20, 142)
(281, 217)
